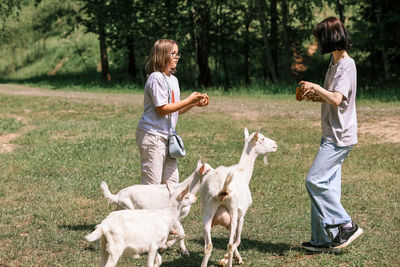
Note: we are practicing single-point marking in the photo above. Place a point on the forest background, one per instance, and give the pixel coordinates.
(229, 44)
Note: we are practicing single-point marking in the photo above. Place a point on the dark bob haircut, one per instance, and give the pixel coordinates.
(332, 35)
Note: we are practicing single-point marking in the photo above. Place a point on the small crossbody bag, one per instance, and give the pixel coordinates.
(176, 149)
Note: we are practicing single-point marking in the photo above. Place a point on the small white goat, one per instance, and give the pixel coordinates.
(133, 232)
(156, 197)
(226, 196)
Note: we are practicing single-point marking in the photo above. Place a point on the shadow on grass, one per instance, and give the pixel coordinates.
(85, 80)
(250, 244)
(194, 259)
(87, 228)
(78, 227)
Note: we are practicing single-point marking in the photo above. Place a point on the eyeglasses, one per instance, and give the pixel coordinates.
(173, 55)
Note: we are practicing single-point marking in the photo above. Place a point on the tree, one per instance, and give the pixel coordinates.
(379, 20)
(274, 34)
(96, 20)
(200, 16)
(286, 62)
(261, 6)
(248, 15)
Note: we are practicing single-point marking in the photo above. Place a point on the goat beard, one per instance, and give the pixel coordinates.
(265, 160)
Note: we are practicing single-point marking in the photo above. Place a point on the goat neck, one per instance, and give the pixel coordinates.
(195, 178)
(190, 180)
(246, 162)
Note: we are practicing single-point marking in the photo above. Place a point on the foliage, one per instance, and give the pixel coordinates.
(378, 20)
(223, 42)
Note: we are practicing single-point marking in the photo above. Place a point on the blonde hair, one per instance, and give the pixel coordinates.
(160, 56)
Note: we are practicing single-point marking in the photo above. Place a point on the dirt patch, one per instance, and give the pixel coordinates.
(5, 139)
(384, 130)
(81, 97)
(7, 148)
(384, 125)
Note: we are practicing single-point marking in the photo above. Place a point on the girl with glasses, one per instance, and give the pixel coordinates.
(161, 100)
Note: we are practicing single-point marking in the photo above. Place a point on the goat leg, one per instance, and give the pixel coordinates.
(207, 221)
(233, 229)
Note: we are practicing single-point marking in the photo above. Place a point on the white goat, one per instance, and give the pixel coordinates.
(226, 196)
(133, 232)
(156, 197)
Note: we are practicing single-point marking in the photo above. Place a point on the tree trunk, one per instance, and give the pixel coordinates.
(223, 53)
(217, 49)
(340, 8)
(13, 59)
(247, 50)
(130, 38)
(381, 31)
(202, 23)
(192, 66)
(274, 35)
(267, 52)
(195, 45)
(287, 64)
(103, 54)
(225, 65)
(131, 56)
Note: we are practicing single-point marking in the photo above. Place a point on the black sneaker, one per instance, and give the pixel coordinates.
(346, 235)
(315, 248)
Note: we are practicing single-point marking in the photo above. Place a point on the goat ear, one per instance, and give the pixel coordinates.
(199, 163)
(201, 170)
(255, 137)
(184, 192)
(246, 133)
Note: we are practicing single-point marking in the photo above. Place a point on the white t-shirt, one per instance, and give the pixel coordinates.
(339, 124)
(156, 95)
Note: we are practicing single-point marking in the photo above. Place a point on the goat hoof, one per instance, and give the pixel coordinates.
(185, 252)
(223, 262)
(239, 261)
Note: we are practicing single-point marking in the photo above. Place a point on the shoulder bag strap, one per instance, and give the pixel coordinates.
(171, 129)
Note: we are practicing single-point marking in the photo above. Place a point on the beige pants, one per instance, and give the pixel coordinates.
(157, 167)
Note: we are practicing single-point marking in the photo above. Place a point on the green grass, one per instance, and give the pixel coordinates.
(50, 195)
(9, 125)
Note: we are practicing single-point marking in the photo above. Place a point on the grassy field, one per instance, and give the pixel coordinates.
(56, 148)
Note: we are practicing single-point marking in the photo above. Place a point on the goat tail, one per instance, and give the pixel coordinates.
(107, 194)
(96, 234)
(228, 181)
(224, 193)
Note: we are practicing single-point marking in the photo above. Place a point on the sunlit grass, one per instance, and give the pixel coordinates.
(50, 184)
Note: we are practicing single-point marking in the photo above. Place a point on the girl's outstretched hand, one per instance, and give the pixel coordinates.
(307, 87)
(195, 97)
(203, 102)
(307, 90)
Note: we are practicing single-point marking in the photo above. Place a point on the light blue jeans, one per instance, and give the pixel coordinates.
(323, 185)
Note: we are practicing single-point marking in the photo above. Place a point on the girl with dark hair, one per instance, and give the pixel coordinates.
(161, 100)
(331, 226)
